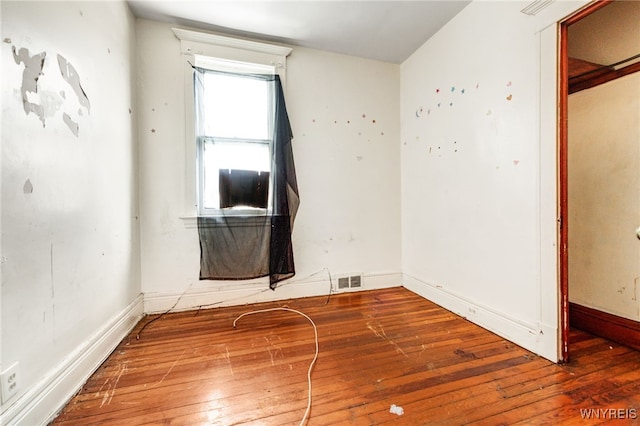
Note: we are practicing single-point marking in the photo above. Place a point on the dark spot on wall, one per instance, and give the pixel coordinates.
(27, 188)
(7, 40)
(373, 121)
(130, 111)
(153, 130)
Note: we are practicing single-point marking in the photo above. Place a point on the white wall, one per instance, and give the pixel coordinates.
(344, 116)
(478, 214)
(70, 245)
(477, 208)
(604, 203)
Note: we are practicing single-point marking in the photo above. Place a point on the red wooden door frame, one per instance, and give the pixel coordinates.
(563, 190)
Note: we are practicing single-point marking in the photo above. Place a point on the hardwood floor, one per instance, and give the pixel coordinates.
(376, 348)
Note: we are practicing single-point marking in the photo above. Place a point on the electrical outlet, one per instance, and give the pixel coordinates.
(10, 381)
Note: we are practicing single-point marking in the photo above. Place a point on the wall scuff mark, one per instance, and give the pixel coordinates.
(32, 71)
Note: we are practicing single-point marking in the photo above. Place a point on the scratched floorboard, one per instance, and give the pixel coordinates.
(377, 348)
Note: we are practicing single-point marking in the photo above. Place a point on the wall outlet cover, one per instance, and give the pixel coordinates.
(10, 382)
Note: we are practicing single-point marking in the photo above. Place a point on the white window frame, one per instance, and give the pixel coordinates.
(243, 68)
(195, 48)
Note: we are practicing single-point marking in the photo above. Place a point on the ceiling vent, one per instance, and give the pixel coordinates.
(536, 7)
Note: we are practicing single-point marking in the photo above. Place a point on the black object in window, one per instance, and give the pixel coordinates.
(243, 188)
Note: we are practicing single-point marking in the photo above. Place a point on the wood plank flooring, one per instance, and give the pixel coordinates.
(376, 348)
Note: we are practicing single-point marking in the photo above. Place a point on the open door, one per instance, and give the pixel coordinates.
(600, 175)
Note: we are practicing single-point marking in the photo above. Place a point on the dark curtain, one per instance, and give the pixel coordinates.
(245, 247)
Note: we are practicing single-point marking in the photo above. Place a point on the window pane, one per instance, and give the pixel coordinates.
(232, 156)
(235, 107)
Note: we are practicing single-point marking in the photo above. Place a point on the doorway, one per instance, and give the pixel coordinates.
(599, 155)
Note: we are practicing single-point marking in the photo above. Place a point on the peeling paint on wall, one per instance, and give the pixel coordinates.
(48, 102)
(32, 71)
(51, 103)
(71, 76)
(72, 125)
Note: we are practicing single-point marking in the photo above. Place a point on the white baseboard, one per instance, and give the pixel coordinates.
(224, 293)
(40, 404)
(536, 337)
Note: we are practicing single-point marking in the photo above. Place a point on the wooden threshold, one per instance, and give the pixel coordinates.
(613, 327)
(376, 348)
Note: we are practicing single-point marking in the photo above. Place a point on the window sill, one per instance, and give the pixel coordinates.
(191, 222)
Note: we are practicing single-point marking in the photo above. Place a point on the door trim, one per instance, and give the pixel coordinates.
(563, 190)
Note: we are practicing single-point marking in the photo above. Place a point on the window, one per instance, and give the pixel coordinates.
(232, 55)
(234, 116)
(241, 144)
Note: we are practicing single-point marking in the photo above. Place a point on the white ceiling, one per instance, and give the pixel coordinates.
(384, 30)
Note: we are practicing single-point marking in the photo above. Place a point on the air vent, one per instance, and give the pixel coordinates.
(343, 283)
(355, 281)
(536, 7)
(347, 282)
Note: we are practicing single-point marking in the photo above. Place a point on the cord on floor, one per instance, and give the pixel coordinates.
(315, 357)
